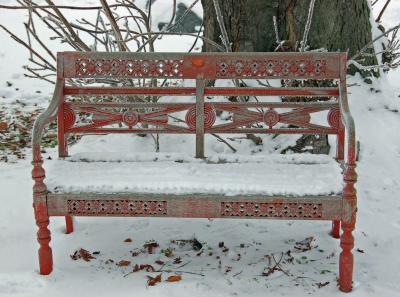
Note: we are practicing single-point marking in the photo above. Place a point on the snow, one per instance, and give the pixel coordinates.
(377, 236)
(180, 174)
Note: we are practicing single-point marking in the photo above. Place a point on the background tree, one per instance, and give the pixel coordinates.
(272, 25)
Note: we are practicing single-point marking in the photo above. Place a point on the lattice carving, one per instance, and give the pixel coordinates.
(271, 209)
(128, 68)
(232, 68)
(117, 207)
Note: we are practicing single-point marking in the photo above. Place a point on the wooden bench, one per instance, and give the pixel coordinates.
(261, 187)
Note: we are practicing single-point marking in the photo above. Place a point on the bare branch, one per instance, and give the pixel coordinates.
(121, 45)
(308, 25)
(225, 38)
(382, 11)
(365, 47)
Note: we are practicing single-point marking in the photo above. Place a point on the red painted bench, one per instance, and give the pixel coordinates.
(262, 194)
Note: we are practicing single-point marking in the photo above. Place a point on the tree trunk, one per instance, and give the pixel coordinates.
(337, 25)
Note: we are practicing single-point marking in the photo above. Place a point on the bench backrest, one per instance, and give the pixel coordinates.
(200, 118)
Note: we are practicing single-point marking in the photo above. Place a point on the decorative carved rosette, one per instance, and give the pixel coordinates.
(209, 117)
(130, 118)
(271, 118)
(334, 118)
(69, 116)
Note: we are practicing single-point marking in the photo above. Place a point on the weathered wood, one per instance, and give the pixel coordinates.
(194, 205)
(200, 119)
(207, 65)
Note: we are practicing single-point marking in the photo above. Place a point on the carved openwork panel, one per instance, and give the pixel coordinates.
(117, 207)
(271, 209)
(167, 118)
(270, 68)
(87, 67)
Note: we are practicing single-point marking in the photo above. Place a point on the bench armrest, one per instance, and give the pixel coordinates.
(348, 123)
(44, 119)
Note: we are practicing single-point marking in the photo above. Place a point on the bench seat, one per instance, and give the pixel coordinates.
(166, 173)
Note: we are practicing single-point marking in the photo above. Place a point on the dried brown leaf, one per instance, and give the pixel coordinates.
(154, 280)
(174, 278)
(124, 263)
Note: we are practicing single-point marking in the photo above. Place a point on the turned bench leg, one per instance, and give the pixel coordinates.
(335, 229)
(69, 224)
(349, 209)
(346, 260)
(42, 218)
(43, 237)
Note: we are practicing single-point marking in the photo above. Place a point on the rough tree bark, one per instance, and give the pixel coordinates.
(336, 25)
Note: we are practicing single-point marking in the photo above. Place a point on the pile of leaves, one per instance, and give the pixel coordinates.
(16, 125)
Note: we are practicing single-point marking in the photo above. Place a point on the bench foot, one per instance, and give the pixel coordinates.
(69, 225)
(43, 237)
(335, 229)
(346, 259)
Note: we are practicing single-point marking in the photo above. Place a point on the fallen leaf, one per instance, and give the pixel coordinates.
(146, 267)
(177, 260)
(320, 285)
(3, 126)
(168, 253)
(154, 280)
(82, 254)
(150, 246)
(85, 255)
(124, 263)
(159, 262)
(174, 278)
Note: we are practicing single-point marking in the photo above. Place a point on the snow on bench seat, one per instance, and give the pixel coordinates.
(288, 175)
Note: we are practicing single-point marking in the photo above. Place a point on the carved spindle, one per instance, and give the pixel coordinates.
(42, 218)
(349, 209)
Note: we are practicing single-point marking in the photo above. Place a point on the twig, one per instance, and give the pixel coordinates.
(180, 271)
(220, 19)
(216, 45)
(19, 40)
(74, 36)
(197, 38)
(382, 11)
(365, 47)
(121, 45)
(58, 7)
(277, 39)
(308, 25)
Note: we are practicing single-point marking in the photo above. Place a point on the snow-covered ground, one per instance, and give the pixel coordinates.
(309, 256)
